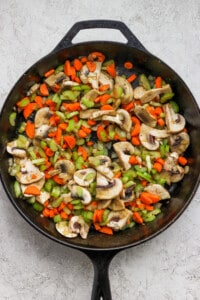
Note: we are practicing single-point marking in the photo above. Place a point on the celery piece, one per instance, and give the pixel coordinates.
(49, 184)
(149, 217)
(37, 206)
(156, 211)
(78, 206)
(175, 106)
(88, 103)
(32, 154)
(22, 127)
(143, 81)
(107, 63)
(71, 125)
(71, 114)
(61, 115)
(138, 188)
(105, 215)
(129, 184)
(56, 202)
(80, 142)
(81, 87)
(144, 175)
(31, 200)
(56, 156)
(118, 91)
(57, 218)
(56, 99)
(89, 176)
(67, 210)
(12, 118)
(140, 169)
(111, 134)
(75, 155)
(69, 95)
(125, 179)
(166, 97)
(52, 145)
(79, 162)
(43, 144)
(75, 202)
(87, 216)
(41, 152)
(22, 141)
(55, 191)
(17, 189)
(38, 161)
(60, 68)
(79, 191)
(23, 102)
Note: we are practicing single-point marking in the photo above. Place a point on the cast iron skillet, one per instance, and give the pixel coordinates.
(101, 249)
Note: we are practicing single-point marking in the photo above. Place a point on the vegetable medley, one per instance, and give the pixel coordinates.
(96, 149)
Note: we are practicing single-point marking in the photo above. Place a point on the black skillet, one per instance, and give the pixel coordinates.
(101, 248)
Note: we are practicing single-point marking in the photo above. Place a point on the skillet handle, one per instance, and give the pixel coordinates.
(92, 24)
(101, 284)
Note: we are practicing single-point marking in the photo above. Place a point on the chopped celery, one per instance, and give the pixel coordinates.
(61, 115)
(80, 142)
(81, 87)
(71, 114)
(168, 96)
(75, 202)
(22, 141)
(41, 152)
(38, 161)
(52, 145)
(87, 216)
(78, 206)
(60, 68)
(43, 144)
(79, 191)
(144, 175)
(143, 81)
(149, 217)
(69, 95)
(55, 191)
(79, 162)
(129, 184)
(31, 200)
(12, 118)
(57, 218)
(23, 102)
(175, 106)
(88, 103)
(49, 184)
(17, 189)
(22, 127)
(71, 125)
(56, 202)
(105, 215)
(37, 206)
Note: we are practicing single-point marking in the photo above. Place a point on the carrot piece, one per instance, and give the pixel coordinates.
(99, 56)
(77, 64)
(128, 106)
(38, 100)
(51, 104)
(91, 122)
(70, 140)
(137, 217)
(44, 90)
(140, 205)
(161, 122)
(49, 73)
(136, 129)
(63, 126)
(58, 180)
(91, 66)
(160, 161)
(90, 143)
(158, 82)
(86, 130)
(133, 160)
(98, 216)
(46, 212)
(182, 160)
(58, 135)
(104, 87)
(83, 59)
(151, 110)
(30, 129)
(83, 152)
(111, 70)
(29, 109)
(70, 206)
(149, 198)
(61, 206)
(106, 230)
(46, 203)
(106, 107)
(128, 65)
(158, 110)
(82, 133)
(49, 152)
(32, 190)
(157, 166)
(104, 98)
(149, 207)
(144, 182)
(101, 133)
(72, 106)
(67, 68)
(118, 175)
(64, 215)
(97, 226)
(131, 78)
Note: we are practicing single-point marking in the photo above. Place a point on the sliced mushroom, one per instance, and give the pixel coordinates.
(127, 89)
(99, 113)
(65, 169)
(43, 197)
(118, 219)
(106, 189)
(54, 79)
(13, 149)
(157, 189)
(89, 96)
(150, 137)
(103, 204)
(117, 204)
(84, 177)
(147, 96)
(28, 173)
(64, 229)
(33, 89)
(102, 164)
(143, 114)
(179, 142)
(124, 151)
(175, 122)
(105, 78)
(38, 184)
(122, 118)
(42, 132)
(66, 198)
(87, 114)
(128, 194)
(79, 226)
(91, 77)
(81, 193)
(42, 117)
(171, 171)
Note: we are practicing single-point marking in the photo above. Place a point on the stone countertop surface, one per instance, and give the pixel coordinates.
(34, 267)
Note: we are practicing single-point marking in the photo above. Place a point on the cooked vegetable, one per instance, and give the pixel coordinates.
(94, 150)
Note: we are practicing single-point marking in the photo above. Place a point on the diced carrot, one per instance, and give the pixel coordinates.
(49, 73)
(67, 68)
(70, 206)
(99, 56)
(133, 160)
(149, 207)
(91, 66)
(63, 126)
(161, 122)
(111, 70)
(91, 122)
(97, 226)
(149, 198)
(70, 140)
(83, 59)
(64, 215)
(137, 217)
(58, 135)
(104, 98)
(160, 161)
(135, 140)
(106, 230)
(98, 216)
(77, 64)
(29, 109)
(157, 111)
(157, 166)
(32, 190)
(30, 129)
(82, 133)
(86, 129)
(104, 87)
(44, 90)
(49, 152)
(158, 82)
(61, 206)
(72, 106)
(58, 180)
(46, 212)
(101, 133)
(182, 160)
(136, 129)
(118, 175)
(144, 182)
(128, 65)
(83, 152)
(128, 106)
(131, 78)
(90, 143)
(38, 100)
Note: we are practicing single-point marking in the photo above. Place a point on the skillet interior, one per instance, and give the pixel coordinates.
(182, 193)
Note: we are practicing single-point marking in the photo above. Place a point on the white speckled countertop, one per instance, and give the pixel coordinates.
(34, 267)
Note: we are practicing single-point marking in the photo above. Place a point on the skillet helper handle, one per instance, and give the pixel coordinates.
(101, 284)
(92, 24)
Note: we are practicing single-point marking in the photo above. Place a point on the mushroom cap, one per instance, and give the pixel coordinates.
(43, 197)
(42, 116)
(118, 219)
(55, 78)
(91, 95)
(148, 136)
(105, 78)
(14, 150)
(171, 171)
(157, 189)
(117, 204)
(81, 193)
(122, 118)
(179, 142)
(127, 89)
(64, 229)
(105, 189)
(91, 77)
(143, 114)
(79, 226)
(28, 173)
(38, 184)
(42, 131)
(102, 164)
(66, 169)
(124, 150)
(175, 122)
(147, 96)
(84, 177)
